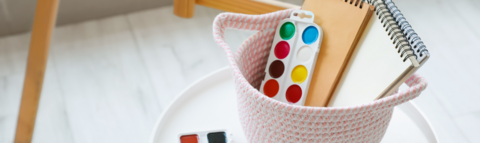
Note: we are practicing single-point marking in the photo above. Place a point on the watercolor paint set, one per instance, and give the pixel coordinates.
(292, 58)
(216, 136)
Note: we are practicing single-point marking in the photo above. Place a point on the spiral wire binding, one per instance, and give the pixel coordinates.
(419, 47)
(394, 31)
(357, 2)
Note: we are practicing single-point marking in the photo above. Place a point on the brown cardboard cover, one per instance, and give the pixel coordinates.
(342, 23)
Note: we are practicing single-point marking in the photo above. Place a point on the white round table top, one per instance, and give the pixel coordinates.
(210, 104)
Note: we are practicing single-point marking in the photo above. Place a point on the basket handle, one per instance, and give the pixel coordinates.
(416, 84)
(229, 20)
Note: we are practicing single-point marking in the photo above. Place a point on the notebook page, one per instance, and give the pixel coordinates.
(374, 65)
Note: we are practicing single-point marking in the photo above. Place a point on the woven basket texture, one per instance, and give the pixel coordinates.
(266, 120)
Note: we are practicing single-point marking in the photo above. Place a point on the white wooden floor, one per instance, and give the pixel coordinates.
(109, 79)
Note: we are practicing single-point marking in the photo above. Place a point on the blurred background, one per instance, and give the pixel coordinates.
(114, 65)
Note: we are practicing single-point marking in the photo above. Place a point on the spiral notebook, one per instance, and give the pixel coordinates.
(383, 59)
(343, 22)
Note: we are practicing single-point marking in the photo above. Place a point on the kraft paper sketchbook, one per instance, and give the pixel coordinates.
(342, 23)
(386, 55)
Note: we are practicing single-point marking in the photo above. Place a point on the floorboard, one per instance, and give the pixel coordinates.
(107, 93)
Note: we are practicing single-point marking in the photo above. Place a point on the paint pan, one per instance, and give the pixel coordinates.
(214, 136)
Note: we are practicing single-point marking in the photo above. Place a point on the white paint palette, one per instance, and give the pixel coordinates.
(292, 58)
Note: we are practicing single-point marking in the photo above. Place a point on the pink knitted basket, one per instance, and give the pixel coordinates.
(267, 120)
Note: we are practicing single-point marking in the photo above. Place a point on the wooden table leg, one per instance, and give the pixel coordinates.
(44, 22)
(184, 8)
